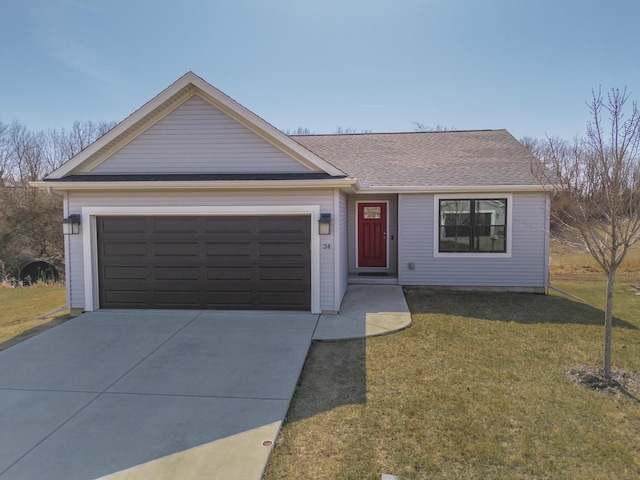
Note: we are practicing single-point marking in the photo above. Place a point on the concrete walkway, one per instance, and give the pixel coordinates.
(366, 311)
(165, 394)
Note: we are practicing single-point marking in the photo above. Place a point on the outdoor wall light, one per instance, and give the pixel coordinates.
(71, 224)
(324, 224)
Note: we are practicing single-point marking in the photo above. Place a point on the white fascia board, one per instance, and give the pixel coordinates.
(123, 126)
(454, 189)
(225, 103)
(202, 185)
(263, 128)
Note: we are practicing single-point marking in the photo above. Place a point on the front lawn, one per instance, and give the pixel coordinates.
(19, 308)
(477, 388)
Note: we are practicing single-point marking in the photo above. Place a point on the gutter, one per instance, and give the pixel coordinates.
(197, 185)
(377, 189)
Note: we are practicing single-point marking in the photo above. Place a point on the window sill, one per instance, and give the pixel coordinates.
(471, 255)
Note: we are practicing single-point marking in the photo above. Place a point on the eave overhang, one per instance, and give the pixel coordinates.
(61, 185)
(163, 104)
(380, 189)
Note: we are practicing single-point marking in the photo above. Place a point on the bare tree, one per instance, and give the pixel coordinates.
(30, 218)
(596, 189)
(25, 152)
(345, 130)
(422, 127)
(535, 145)
(61, 145)
(298, 131)
(5, 159)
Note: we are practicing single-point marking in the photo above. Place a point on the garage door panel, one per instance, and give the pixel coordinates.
(189, 274)
(228, 225)
(175, 225)
(125, 273)
(286, 274)
(283, 249)
(228, 262)
(176, 298)
(121, 225)
(126, 298)
(228, 249)
(229, 273)
(126, 249)
(176, 249)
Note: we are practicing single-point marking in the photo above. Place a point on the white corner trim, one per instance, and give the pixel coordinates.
(90, 241)
(336, 249)
(471, 196)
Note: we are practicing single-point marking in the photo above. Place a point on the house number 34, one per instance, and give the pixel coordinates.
(326, 246)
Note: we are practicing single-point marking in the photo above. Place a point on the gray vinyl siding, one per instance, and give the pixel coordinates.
(526, 267)
(392, 234)
(77, 200)
(198, 138)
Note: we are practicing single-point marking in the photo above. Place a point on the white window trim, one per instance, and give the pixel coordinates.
(90, 240)
(358, 202)
(471, 196)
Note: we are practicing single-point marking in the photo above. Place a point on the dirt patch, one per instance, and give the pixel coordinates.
(593, 379)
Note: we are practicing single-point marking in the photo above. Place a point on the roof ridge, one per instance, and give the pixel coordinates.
(396, 133)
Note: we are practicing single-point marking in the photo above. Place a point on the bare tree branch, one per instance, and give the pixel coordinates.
(596, 187)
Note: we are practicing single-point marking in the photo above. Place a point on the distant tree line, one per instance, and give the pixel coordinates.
(30, 219)
(417, 127)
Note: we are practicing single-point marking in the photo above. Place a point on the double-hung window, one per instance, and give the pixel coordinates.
(468, 225)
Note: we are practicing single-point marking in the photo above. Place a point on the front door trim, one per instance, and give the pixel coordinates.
(358, 202)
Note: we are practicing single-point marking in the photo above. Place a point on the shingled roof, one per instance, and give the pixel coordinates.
(427, 159)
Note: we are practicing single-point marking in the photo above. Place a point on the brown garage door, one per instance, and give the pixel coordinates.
(223, 262)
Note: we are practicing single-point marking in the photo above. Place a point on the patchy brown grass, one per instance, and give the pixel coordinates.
(477, 388)
(570, 262)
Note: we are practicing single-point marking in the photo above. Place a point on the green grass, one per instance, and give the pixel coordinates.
(21, 306)
(477, 388)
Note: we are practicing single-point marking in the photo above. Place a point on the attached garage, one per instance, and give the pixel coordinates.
(259, 262)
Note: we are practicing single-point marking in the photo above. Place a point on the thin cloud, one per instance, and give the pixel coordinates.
(60, 38)
(372, 106)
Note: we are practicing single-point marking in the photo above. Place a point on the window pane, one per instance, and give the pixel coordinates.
(472, 225)
(372, 212)
(455, 225)
(489, 228)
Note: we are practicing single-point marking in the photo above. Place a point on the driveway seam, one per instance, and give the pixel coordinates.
(194, 396)
(49, 435)
(142, 393)
(98, 395)
(313, 334)
(10, 389)
(152, 352)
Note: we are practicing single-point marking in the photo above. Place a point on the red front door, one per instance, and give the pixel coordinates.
(372, 234)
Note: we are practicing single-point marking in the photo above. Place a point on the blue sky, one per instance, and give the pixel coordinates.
(527, 66)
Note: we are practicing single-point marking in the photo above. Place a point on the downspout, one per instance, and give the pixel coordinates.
(547, 234)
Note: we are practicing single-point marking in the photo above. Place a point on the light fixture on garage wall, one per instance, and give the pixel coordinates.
(71, 224)
(324, 224)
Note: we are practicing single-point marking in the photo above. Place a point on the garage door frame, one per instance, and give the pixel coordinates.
(90, 240)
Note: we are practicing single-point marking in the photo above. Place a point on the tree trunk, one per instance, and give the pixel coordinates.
(608, 324)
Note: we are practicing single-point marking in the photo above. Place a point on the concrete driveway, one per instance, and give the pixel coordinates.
(150, 394)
